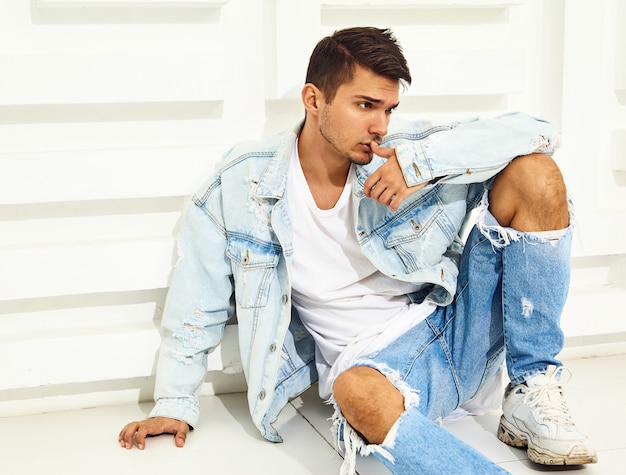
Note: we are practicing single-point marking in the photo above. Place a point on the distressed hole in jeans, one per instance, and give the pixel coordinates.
(527, 307)
(352, 440)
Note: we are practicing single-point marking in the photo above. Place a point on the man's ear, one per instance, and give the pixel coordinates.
(312, 98)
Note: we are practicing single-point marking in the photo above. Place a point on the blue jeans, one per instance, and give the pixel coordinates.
(511, 290)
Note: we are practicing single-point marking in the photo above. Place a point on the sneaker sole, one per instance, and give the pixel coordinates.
(579, 455)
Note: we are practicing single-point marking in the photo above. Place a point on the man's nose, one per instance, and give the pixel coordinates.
(379, 124)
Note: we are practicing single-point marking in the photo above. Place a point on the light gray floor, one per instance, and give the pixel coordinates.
(226, 442)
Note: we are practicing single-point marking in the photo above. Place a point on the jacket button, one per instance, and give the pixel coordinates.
(285, 299)
(272, 348)
(416, 226)
(262, 395)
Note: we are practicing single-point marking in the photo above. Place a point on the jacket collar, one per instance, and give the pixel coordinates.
(273, 182)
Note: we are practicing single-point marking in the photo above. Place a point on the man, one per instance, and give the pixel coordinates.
(338, 244)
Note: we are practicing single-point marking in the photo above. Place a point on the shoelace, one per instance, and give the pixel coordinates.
(549, 399)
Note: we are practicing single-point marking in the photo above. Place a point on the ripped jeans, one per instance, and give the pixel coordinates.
(511, 290)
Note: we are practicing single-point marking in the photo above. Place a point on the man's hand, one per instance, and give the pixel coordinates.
(386, 185)
(153, 426)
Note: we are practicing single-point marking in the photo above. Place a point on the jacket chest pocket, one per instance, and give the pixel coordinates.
(419, 243)
(419, 239)
(253, 267)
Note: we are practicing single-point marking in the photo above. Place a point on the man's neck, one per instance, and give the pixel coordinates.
(324, 170)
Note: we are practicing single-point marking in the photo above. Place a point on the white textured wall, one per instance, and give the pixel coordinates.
(113, 112)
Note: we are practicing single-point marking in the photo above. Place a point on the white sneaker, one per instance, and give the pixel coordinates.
(535, 416)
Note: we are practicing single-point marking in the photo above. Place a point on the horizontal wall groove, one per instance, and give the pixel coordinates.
(132, 12)
(110, 112)
(105, 207)
(83, 301)
(414, 13)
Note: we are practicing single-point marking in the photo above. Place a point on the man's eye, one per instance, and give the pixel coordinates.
(365, 105)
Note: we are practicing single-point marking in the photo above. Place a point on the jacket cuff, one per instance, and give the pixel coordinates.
(414, 165)
(182, 409)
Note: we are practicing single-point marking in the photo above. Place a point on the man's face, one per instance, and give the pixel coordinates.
(359, 114)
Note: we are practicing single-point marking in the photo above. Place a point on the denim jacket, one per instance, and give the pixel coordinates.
(235, 250)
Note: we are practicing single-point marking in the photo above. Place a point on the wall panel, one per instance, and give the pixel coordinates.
(594, 114)
(111, 115)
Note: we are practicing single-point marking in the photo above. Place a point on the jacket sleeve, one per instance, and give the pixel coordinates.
(473, 150)
(198, 305)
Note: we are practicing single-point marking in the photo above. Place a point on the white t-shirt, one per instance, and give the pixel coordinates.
(345, 302)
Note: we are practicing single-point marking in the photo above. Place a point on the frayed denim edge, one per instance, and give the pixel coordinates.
(352, 440)
(486, 222)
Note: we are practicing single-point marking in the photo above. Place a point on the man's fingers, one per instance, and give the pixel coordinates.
(386, 198)
(379, 181)
(397, 200)
(153, 426)
(142, 432)
(180, 430)
(382, 152)
(374, 191)
(126, 435)
(180, 438)
(383, 191)
(390, 196)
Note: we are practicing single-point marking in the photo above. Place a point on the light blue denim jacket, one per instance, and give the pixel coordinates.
(235, 250)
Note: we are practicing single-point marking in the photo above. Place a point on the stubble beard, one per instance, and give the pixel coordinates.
(325, 126)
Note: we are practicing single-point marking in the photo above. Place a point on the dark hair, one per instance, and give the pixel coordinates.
(333, 60)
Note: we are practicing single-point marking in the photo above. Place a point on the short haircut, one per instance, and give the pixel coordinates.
(335, 57)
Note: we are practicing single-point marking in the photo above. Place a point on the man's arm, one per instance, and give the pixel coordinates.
(197, 308)
(468, 152)
(474, 150)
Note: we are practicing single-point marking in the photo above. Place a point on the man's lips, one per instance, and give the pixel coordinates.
(367, 147)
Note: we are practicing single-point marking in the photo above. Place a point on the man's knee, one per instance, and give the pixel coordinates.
(369, 401)
(530, 195)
